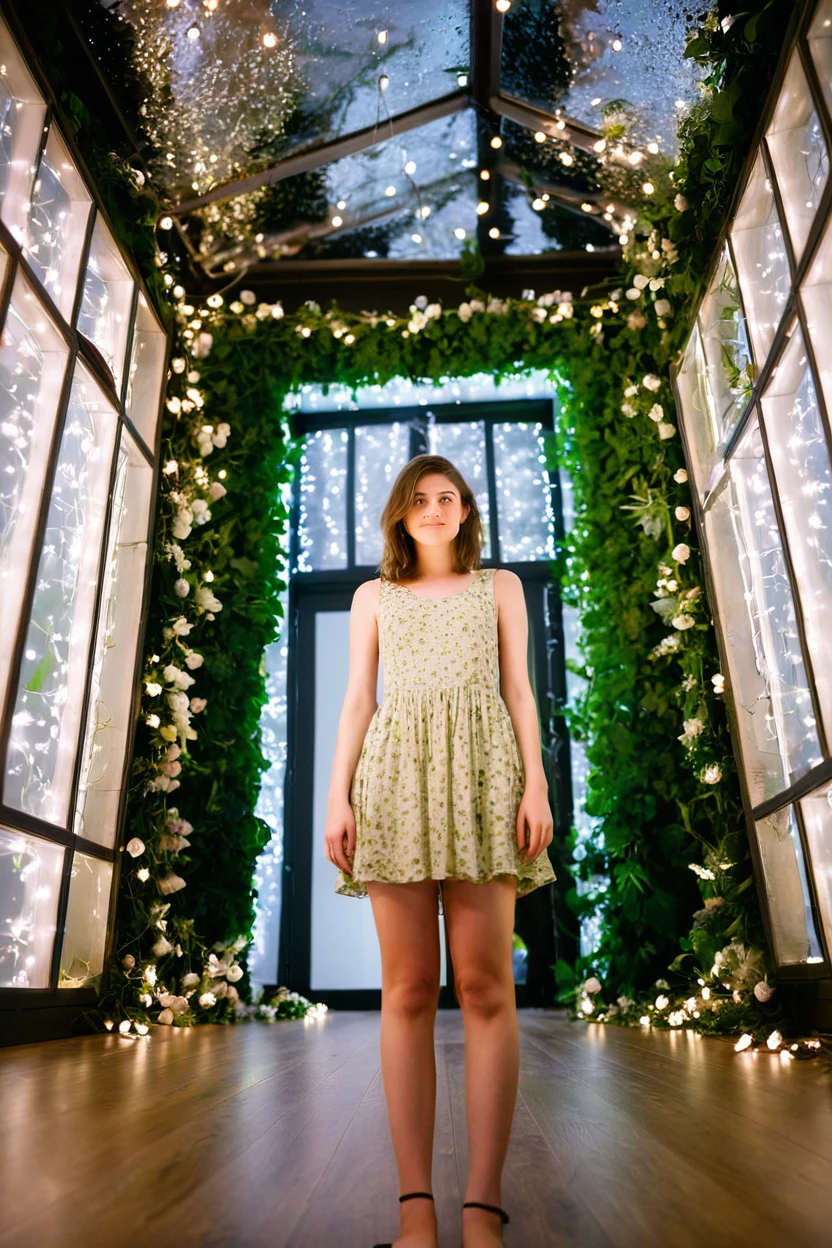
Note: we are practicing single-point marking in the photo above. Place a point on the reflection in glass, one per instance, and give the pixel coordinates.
(816, 297)
(30, 880)
(50, 696)
(792, 923)
(820, 45)
(322, 523)
(464, 446)
(800, 461)
(381, 451)
(104, 316)
(146, 375)
(757, 238)
(798, 153)
(112, 685)
(57, 224)
(22, 111)
(85, 935)
(32, 363)
(816, 810)
(757, 615)
(524, 496)
(729, 373)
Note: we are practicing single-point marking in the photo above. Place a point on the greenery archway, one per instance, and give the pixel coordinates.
(663, 788)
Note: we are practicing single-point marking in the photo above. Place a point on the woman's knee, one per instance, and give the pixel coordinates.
(482, 992)
(411, 995)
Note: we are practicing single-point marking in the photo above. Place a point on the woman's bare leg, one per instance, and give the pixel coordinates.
(480, 922)
(408, 931)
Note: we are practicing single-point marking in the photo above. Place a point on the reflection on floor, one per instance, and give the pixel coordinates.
(277, 1135)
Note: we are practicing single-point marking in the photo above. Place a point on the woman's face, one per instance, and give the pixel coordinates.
(437, 512)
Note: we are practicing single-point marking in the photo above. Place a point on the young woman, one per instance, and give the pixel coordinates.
(438, 795)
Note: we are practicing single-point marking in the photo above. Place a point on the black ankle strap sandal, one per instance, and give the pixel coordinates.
(407, 1196)
(477, 1204)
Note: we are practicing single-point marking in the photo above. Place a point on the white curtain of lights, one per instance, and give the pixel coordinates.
(82, 360)
(755, 393)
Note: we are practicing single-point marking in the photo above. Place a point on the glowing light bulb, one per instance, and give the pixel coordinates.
(166, 223)
(648, 188)
(502, 6)
(410, 168)
(336, 221)
(460, 233)
(494, 232)
(496, 142)
(381, 37)
(539, 137)
(538, 204)
(269, 39)
(193, 33)
(600, 145)
(389, 191)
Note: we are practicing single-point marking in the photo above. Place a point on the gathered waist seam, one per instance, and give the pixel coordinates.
(432, 688)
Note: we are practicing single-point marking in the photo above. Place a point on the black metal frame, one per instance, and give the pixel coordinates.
(793, 316)
(53, 1001)
(332, 590)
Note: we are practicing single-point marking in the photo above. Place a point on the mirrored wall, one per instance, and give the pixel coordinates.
(82, 370)
(754, 391)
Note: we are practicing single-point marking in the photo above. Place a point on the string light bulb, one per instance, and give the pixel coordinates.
(269, 39)
(503, 6)
(496, 142)
(383, 82)
(482, 208)
(166, 223)
(194, 32)
(381, 37)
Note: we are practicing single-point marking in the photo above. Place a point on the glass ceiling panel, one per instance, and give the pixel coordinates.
(588, 60)
(402, 198)
(343, 47)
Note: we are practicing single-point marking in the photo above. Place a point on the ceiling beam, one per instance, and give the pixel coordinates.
(533, 118)
(315, 157)
(568, 196)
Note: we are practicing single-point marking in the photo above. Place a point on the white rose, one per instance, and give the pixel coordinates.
(640, 281)
(165, 1017)
(763, 991)
(656, 413)
(633, 293)
(464, 312)
(683, 621)
(203, 344)
(193, 661)
(171, 883)
(693, 727)
(680, 203)
(662, 1002)
(636, 320)
(651, 382)
(181, 627)
(207, 1000)
(538, 315)
(663, 307)
(666, 431)
(190, 980)
(181, 587)
(680, 476)
(217, 491)
(712, 774)
(135, 847)
(234, 973)
(682, 513)
(592, 985)
(162, 946)
(248, 297)
(680, 553)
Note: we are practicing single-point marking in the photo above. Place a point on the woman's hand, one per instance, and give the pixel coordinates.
(534, 811)
(339, 836)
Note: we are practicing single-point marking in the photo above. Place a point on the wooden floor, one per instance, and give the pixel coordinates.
(277, 1135)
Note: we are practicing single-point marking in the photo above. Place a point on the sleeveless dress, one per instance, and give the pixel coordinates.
(439, 780)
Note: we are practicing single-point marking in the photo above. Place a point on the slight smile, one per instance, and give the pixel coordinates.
(433, 526)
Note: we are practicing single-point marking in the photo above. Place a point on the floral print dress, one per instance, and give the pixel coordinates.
(437, 787)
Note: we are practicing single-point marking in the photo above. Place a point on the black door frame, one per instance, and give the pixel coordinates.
(311, 592)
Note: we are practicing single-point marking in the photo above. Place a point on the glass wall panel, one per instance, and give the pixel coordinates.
(698, 416)
(729, 372)
(33, 359)
(524, 493)
(763, 266)
(381, 451)
(800, 462)
(50, 696)
(107, 300)
(758, 622)
(322, 527)
(146, 374)
(792, 923)
(113, 674)
(798, 153)
(820, 45)
(22, 111)
(464, 445)
(30, 881)
(58, 213)
(816, 297)
(816, 810)
(85, 935)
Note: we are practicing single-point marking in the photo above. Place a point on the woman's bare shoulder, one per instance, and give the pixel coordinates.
(367, 593)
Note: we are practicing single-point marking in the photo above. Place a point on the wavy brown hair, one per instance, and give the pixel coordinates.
(398, 558)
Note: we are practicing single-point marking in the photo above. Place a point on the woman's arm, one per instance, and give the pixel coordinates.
(516, 691)
(357, 711)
